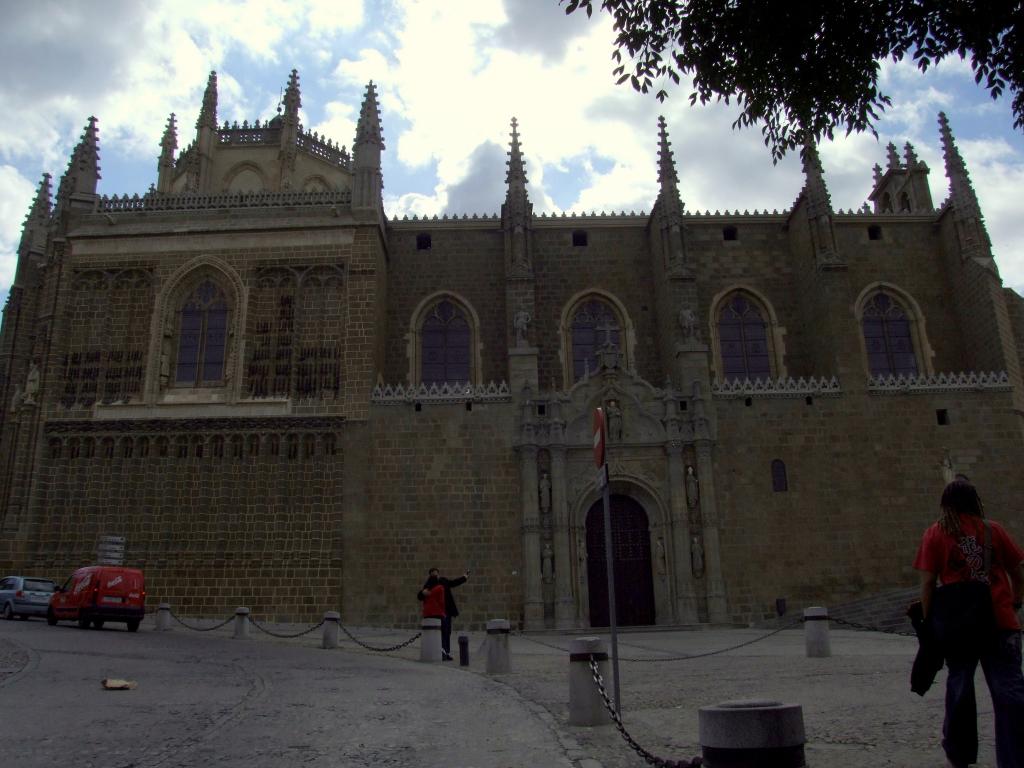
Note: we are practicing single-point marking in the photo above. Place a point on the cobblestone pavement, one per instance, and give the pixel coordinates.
(206, 699)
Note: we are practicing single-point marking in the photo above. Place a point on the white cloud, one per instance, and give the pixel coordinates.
(16, 194)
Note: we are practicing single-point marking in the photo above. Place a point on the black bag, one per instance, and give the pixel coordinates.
(962, 616)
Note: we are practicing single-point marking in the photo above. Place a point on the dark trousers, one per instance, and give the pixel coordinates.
(1001, 663)
(446, 634)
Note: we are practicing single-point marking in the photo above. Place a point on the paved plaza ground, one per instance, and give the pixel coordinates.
(207, 699)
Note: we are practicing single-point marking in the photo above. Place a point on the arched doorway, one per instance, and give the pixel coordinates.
(631, 549)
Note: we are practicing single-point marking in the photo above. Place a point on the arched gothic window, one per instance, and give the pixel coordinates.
(743, 340)
(202, 337)
(888, 338)
(594, 326)
(780, 483)
(445, 339)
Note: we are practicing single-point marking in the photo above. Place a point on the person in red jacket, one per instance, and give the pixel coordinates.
(434, 577)
(432, 596)
(953, 550)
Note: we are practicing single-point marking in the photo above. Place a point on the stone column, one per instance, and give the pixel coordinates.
(533, 600)
(717, 612)
(565, 606)
(686, 607)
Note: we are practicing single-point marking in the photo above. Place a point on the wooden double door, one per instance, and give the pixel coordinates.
(631, 549)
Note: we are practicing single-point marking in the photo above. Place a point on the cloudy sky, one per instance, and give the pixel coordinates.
(451, 75)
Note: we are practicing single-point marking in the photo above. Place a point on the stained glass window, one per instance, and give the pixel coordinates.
(887, 337)
(202, 337)
(743, 339)
(594, 326)
(445, 345)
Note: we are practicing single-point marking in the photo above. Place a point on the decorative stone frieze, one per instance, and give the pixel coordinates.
(966, 381)
(399, 394)
(782, 387)
(190, 201)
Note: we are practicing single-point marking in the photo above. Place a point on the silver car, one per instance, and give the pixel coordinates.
(24, 596)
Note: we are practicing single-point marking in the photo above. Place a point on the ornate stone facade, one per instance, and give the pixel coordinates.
(283, 399)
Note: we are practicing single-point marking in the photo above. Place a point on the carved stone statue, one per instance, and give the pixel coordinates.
(613, 418)
(948, 470)
(688, 324)
(520, 322)
(661, 561)
(31, 385)
(692, 488)
(166, 351)
(545, 492)
(697, 555)
(15, 398)
(546, 563)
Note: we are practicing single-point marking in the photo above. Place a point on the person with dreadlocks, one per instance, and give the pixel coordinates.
(952, 550)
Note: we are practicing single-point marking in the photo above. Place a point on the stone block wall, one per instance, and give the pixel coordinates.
(863, 483)
(442, 490)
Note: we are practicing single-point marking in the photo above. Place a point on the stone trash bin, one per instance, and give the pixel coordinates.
(752, 734)
(497, 646)
(585, 704)
(241, 623)
(332, 626)
(816, 633)
(163, 617)
(430, 640)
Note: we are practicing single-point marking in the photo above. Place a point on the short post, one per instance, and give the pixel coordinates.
(163, 617)
(241, 623)
(497, 646)
(430, 640)
(463, 649)
(330, 636)
(816, 637)
(585, 704)
(752, 734)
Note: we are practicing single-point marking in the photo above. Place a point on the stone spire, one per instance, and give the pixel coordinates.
(292, 98)
(33, 233)
(369, 143)
(516, 211)
(819, 211)
(83, 171)
(668, 205)
(910, 156)
(165, 165)
(970, 224)
(893, 156)
(208, 113)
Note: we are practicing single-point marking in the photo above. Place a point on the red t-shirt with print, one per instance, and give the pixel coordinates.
(959, 560)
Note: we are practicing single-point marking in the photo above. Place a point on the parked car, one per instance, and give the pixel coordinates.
(24, 596)
(97, 594)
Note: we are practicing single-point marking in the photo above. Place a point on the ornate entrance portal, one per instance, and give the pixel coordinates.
(631, 549)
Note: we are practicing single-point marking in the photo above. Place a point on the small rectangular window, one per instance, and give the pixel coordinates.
(942, 417)
(579, 238)
(423, 241)
(730, 233)
(874, 232)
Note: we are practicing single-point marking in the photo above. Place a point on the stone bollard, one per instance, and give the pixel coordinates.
(463, 649)
(332, 619)
(241, 623)
(163, 617)
(816, 638)
(752, 734)
(585, 704)
(497, 646)
(430, 640)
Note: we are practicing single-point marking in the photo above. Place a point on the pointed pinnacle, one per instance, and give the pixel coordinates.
(666, 166)
(516, 170)
(954, 162)
(41, 205)
(894, 159)
(169, 143)
(909, 156)
(368, 128)
(208, 113)
(877, 171)
(292, 98)
(817, 191)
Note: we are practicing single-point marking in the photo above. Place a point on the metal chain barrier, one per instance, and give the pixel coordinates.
(658, 762)
(285, 636)
(539, 642)
(720, 650)
(389, 649)
(865, 627)
(201, 629)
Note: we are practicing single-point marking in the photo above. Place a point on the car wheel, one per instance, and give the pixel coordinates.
(8, 612)
(50, 618)
(133, 626)
(83, 623)
(97, 623)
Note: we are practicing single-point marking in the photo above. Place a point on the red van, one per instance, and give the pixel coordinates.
(100, 593)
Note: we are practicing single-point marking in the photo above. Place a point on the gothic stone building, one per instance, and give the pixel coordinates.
(283, 399)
